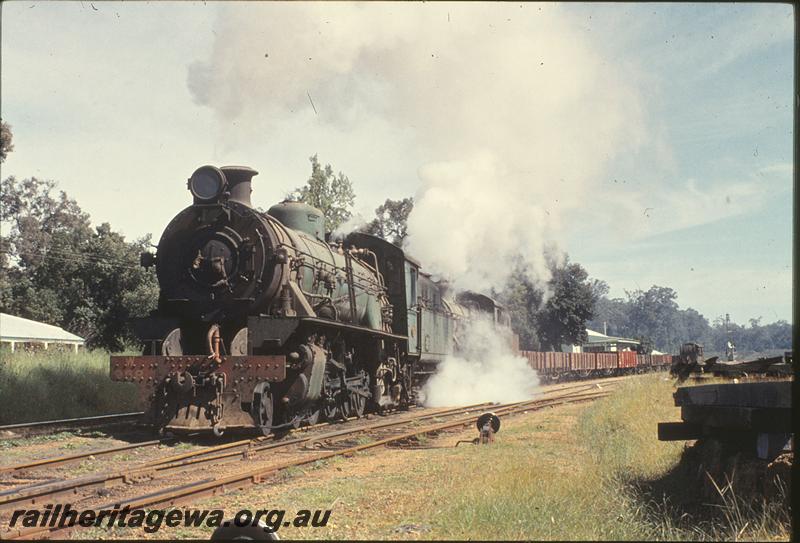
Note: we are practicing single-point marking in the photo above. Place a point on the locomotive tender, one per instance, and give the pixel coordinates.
(264, 323)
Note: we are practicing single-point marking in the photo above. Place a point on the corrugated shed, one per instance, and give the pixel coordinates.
(21, 330)
(597, 337)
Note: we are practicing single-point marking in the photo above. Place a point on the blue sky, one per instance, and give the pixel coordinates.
(660, 135)
(721, 92)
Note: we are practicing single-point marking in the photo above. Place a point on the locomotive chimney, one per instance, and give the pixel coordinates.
(239, 183)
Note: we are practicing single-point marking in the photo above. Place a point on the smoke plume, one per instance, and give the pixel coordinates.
(485, 370)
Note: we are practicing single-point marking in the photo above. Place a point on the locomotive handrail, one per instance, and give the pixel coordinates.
(351, 294)
(353, 327)
(317, 259)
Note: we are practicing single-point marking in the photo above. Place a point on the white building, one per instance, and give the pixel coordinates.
(17, 331)
(601, 343)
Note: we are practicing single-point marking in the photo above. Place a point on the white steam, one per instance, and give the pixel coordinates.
(485, 370)
(468, 228)
(354, 223)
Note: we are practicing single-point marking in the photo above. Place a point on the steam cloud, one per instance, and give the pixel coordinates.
(354, 223)
(484, 371)
(510, 108)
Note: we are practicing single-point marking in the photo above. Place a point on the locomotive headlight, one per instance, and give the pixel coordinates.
(207, 183)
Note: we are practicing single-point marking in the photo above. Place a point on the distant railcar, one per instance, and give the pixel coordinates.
(565, 366)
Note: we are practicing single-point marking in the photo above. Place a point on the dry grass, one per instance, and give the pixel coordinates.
(669, 481)
(49, 385)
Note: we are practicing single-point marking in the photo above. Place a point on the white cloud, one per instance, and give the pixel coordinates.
(784, 169)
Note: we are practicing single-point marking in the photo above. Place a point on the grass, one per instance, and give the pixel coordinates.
(576, 473)
(674, 491)
(6, 444)
(49, 385)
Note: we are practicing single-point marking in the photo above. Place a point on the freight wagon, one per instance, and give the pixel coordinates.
(552, 366)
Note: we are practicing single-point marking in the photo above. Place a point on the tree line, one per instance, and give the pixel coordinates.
(57, 268)
(655, 317)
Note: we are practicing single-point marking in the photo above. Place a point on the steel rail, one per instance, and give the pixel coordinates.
(159, 468)
(241, 444)
(59, 460)
(41, 427)
(252, 447)
(246, 443)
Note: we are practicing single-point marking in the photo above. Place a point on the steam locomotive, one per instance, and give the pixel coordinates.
(264, 322)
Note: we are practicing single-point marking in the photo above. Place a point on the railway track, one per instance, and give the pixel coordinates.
(28, 429)
(46, 463)
(254, 460)
(160, 467)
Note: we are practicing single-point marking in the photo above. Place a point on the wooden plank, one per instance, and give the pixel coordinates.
(679, 431)
(776, 394)
(738, 369)
(740, 418)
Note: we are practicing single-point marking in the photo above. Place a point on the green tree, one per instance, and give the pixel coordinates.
(780, 334)
(56, 268)
(6, 145)
(654, 315)
(391, 220)
(330, 193)
(694, 327)
(610, 317)
(562, 319)
(755, 339)
(522, 299)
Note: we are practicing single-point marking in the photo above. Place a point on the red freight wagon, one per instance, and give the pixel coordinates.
(561, 361)
(536, 360)
(627, 359)
(565, 365)
(581, 361)
(662, 360)
(549, 361)
(606, 361)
